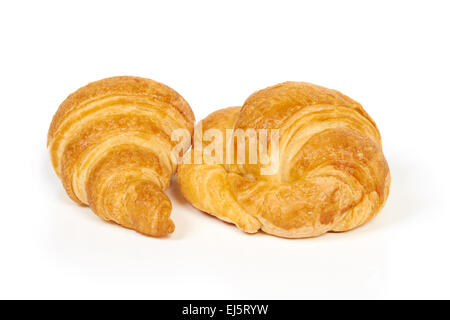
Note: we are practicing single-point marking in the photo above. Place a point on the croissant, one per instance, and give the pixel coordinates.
(329, 173)
(110, 144)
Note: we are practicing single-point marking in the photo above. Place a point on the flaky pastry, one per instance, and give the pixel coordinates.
(331, 173)
(110, 144)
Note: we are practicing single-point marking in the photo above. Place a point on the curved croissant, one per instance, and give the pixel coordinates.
(330, 174)
(110, 144)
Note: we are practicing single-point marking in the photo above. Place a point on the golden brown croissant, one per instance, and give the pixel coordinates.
(330, 173)
(110, 144)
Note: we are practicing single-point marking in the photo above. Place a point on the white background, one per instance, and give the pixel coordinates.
(392, 56)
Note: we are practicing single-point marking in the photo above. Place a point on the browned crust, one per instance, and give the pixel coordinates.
(269, 107)
(121, 85)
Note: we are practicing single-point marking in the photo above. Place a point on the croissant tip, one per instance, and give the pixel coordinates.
(162, 232)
